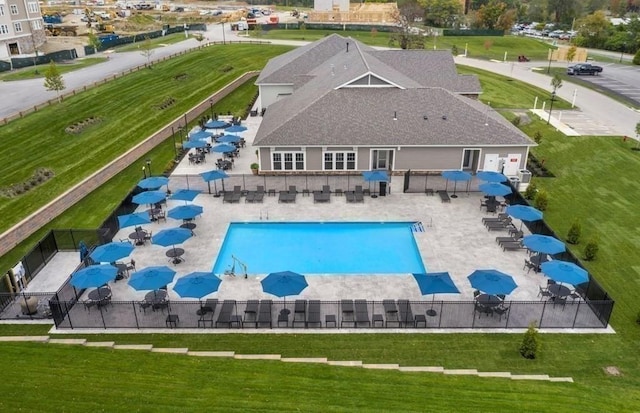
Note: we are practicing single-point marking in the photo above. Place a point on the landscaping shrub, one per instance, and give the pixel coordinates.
(531, 191)
(591, 249)
(530, 342)
(542, 200)
(573, 235)
(537, 137)
(516, 121)
(454, 50)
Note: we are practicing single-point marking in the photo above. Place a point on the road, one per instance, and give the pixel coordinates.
(19, 95)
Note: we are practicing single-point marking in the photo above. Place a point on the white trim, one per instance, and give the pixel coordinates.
(479, 157)
(393, 150)
(369, 73)
(345, 153)
(293, 160)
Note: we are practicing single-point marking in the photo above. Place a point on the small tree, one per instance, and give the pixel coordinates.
(591, 249)
(573, 235)
(147, 49)
(638, 135)
(454, 50)
(53, 79)
(556, 83)
(537, 137)
(531, 191)
(571, 53)
(530, 342)
(94, 41)
(542, 200)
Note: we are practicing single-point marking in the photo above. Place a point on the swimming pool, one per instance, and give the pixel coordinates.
(320, 248)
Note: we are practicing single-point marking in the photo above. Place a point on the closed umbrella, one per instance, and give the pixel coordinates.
(129, 220)
(111, 252)
(565, 272)
(495, 189)
(435, 283)
(214, 175)
(153, 182)
(94, 276)
(149, 197)
(455, 176)
(492, 176)
(543, 244)
(492, 282)
(185, 212)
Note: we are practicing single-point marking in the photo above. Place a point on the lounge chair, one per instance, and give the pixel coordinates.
(283, 317)
(300, 313)
(391, 312)
(406, 315)
(444, 196)
(258, 196)
(206, 317)
(251, 313)
(288, 196)
(313, 319)
(499, 218)
(264, 313)
(209, 306)
(362, 313)
(322, 196)
(347, 312)
(512, 246)
(350, 196)
(225, 313)
(359, 194)
(237, 194)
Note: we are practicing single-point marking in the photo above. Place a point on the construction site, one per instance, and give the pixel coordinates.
(380, 13)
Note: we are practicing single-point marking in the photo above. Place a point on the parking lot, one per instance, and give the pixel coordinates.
(623, 80)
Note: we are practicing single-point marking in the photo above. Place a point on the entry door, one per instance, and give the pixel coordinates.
(470, 159)
(512, 164)
(491, 162)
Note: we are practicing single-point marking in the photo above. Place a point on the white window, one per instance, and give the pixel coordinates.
(17, 26)
(4, 29)
(339, 161)
(36, 24)
(1, 10)
(288, 161)
(32, 6)
(14, 9)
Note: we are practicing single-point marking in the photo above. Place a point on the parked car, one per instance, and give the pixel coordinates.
(584, 69)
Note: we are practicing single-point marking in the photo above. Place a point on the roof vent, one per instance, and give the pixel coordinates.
(444, 117)
(347, 47)
(425, 117)
(395, 116)
(333, 70)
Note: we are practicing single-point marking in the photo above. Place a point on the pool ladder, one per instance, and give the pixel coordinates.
(266, 214)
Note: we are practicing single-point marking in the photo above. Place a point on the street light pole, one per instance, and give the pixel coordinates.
(211, 108)
(223, 36)
(549, 67)
(173, 135)
(553, 98)
(149, 167)
(144, 173)
(624, 46)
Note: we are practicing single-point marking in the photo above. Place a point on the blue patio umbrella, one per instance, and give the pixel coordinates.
(111, 252)
(495, 189)
(524, 213)
(229, 139)
(200, 135)
(185, 212)
(216, 124)
(197, 285)
(492, 282)
(223, 148)
(185, 194)
(564, 272)
(282, 284)
(456, 175)
(194, 144)
(375, 176)
(435, 283)
(152, 278)
(236, 129)
(153, 182)
(149, 197)
(94, 276)
(214, 175)
(129, 220)
(543, 244)
(492, 176)
(171, 236)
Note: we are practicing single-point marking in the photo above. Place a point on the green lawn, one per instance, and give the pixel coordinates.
(154, 43)
(187, 79)
(38, 72)
(479, 47)
(595, 181)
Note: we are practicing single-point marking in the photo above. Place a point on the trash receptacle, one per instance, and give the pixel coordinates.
(383, 188)
(515, 182)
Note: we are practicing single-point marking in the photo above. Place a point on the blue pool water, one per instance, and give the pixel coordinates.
(321, 248)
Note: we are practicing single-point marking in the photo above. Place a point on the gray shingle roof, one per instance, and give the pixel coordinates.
(364, 116)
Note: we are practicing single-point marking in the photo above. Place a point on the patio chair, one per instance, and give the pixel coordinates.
(264, 313)
(528, 265)
(350, 196)
(512, 246)
(144, 305)
(500, 311)
(444, 196)
(347, 312)
(406, 314)
(313, 319)
(251, 313)
(362, 313)
(161, 216)
(226, 312)
(258, 195)
(482, 309)
(300, 313)
(131, 265)
(283, 317)
(148, 235)
(206, 318)
(88, 304)
(544, 292)
(391, 312)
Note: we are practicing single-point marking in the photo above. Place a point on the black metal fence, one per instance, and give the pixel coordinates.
(141, 37)
(20, 62)
(227, 314)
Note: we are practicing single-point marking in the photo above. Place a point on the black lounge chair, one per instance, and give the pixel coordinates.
(283, 317)
(313, 319)
(322, 196)
(289, 196)
(259, 194)
(391, 312)
(225, 313)
(300, 313)
(499, 218)
(264, 313)
(347, 312)
(350, 196)
(362, 313)
(406, 314)
(359, 194)
(444, 196)
(251, 313)
(512, 246)
(205, 318)
(209, 306)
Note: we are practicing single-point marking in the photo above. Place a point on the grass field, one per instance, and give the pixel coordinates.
(595, 182)
(479, 47)
(186, 80)
(154, 43)
(38, 72)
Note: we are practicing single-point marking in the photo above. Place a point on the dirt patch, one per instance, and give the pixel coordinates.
(612, 371)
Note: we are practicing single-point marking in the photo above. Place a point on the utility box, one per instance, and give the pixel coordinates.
(383, 188)
(515, 182)
(525, 178)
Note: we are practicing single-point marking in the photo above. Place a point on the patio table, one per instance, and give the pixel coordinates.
(559, 290)
(174, 254)
(138, 237)
(488, 300)
(156, 296)
(100, 294)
